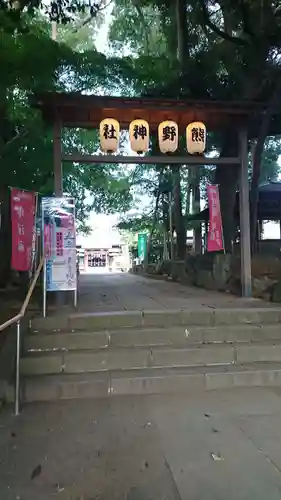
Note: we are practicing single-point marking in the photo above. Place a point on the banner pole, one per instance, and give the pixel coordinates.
(222, 234)
(76, 281)
(35, 256)
(44, 290)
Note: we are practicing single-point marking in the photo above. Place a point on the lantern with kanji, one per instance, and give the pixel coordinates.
(109, 135)
(139, 136)
(168, 136)
(196, 138)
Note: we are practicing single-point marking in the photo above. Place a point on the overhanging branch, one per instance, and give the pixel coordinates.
(11, 142)
(217, 30)
(93, 14)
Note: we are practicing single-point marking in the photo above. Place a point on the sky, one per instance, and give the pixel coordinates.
(104, 233)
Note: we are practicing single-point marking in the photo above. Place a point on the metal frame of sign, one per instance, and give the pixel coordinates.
(45, 258)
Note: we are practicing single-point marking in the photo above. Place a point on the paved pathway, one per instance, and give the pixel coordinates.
(121, 292)
(215, 446)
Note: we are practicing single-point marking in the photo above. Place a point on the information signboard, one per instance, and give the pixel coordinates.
(59, 244)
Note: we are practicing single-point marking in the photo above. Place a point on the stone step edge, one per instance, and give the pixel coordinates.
(196, 346)
(133, 382)
(86, 362)
(159, 336)
(184, 317)
(156, 329)
(185, 344)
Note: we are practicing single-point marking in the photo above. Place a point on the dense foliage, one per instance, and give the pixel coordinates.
(31, 61)
(25, 142)
(225, 50)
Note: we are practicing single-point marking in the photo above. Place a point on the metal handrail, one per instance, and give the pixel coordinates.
(22, 312)
(17, 319)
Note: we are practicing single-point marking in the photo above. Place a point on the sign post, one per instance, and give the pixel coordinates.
(59, 246)
(215, 241)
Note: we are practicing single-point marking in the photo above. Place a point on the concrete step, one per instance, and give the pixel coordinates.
(113, 358)
(159, 318)
(177, 336)
(153, 381)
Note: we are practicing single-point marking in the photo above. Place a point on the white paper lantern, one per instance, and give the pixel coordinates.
(196, 138)
(109, 135)
(139, 136)
(168, 136)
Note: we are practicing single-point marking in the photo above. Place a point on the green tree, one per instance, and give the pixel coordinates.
(214, 44)
(62, 11)
(25, 142)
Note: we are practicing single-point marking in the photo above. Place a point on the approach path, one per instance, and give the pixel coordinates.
(129, 292)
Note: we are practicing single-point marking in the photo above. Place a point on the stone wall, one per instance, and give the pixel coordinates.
(269, 248)
(216, 271)
(222, 272)
(210, 271)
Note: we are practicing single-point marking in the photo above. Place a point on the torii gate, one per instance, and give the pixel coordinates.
(72, 110)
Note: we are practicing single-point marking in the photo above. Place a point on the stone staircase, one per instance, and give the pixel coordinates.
(97, 355)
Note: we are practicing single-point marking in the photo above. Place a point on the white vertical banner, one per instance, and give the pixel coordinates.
(59, 244)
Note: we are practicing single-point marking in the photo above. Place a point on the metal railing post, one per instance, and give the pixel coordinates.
(16, 321)
(17, 391)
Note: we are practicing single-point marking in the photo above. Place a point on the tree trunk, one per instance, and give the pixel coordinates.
(5, 219)
(188, 191)
(179, 222)
(182, 53)
(182, 32)
(5, 236)
(165, 210)
(149, 241)
(197, 243)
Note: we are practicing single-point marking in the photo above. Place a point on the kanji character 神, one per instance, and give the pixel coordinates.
(140, 131)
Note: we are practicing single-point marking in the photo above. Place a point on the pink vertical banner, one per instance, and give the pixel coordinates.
(23, 222)
(215, 233)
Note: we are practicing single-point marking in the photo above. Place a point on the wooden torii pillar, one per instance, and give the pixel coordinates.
(57, 157)
(58, 182)
(244, 208)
